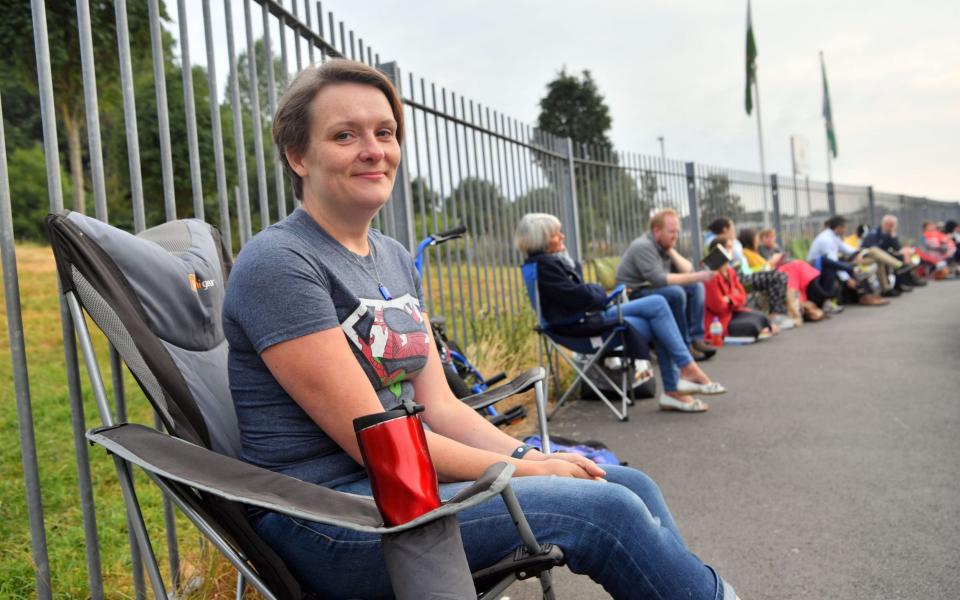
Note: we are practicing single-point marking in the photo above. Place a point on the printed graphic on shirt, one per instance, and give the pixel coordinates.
(391, 337)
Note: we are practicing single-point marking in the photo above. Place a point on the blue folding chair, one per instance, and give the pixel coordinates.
(607, 342)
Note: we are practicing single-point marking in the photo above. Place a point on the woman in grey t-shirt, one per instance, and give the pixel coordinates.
(326, 323)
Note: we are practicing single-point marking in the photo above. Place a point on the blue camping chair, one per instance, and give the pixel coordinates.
(608, 343)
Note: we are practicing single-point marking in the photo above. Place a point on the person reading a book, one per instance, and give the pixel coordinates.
(726, 300)
(756, 273)
(564, 297)
(652, 266)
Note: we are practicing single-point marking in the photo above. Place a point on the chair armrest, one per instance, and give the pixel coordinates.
(517, 385)
(616, 294)
(174, 459)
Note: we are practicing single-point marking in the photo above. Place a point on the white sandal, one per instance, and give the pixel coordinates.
(669, 403)
(686, 387)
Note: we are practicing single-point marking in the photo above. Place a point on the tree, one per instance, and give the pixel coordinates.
(243, 80)
(28, 191)
(716, 200)
(19, 62)
(478, 201)
(574, 108)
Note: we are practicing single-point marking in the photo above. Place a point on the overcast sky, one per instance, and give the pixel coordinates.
(675, 68)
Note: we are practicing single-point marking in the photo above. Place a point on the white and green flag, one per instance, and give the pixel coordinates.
(827, 112)
(751, 61)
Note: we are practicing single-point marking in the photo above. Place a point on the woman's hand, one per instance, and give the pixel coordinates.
(563, 464)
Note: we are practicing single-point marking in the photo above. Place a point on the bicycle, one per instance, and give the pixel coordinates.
(463, 378)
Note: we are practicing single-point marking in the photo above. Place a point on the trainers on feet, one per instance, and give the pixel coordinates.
(832, 307)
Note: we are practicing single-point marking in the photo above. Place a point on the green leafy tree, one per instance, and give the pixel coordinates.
(716, 199)
(483, 203)
(243, 79)
(18, 67)
(574, 108)
(28, 191)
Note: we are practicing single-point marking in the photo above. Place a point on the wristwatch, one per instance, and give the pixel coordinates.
(522, 451)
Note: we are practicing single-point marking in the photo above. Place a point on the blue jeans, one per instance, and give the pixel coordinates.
(619, 533)
(687, 303)
(651, 319)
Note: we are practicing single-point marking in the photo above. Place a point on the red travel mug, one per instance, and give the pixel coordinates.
(395, 453)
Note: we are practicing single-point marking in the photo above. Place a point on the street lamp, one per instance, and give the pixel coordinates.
(663, 156)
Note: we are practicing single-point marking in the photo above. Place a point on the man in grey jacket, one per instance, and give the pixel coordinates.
(652, 265)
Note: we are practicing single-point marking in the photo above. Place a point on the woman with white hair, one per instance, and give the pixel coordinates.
(575, 308)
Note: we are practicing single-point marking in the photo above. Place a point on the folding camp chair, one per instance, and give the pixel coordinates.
(157, 297)
(610, 342)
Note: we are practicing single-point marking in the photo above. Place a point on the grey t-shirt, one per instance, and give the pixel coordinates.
(644, 262)
(293, 279)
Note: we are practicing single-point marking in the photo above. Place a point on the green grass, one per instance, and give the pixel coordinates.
(503, 342)
(57, 463)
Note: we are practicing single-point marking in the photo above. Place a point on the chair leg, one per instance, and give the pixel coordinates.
(541, 398)
(135, 519)
(546, 585)
(582, 376)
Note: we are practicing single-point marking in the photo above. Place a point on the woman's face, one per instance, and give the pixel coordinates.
(352, 156)
(555, 242)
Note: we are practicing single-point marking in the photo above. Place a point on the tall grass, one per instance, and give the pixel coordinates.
(57, 463)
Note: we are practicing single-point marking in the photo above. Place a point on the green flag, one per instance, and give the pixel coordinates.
(751, 61)
(827, 112)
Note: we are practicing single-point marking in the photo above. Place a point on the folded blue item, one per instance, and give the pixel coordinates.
(592, 449)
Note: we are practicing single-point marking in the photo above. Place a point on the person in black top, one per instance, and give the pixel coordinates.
(885, 238)
(575, 308)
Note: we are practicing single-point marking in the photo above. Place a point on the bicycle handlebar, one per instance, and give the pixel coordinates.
(443, 236)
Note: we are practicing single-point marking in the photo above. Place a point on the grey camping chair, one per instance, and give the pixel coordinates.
(157, 297)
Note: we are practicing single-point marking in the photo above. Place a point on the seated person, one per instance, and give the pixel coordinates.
(727, 301)
(825, 254)
(564, 297)
(952, 236)
(885, 238)
(886, 264)
(853, 240)
(941, 247)
(768, 247)
(309, 306)
(652, 266)
(769, 282)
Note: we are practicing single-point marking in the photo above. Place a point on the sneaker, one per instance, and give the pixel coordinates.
(891, 293)
(783, 322)
(832, 307)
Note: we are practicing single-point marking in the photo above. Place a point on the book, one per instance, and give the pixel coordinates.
(717, 258)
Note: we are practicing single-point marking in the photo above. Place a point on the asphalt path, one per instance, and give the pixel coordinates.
(830, 470)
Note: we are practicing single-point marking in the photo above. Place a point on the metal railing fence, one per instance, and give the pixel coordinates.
(462, 163)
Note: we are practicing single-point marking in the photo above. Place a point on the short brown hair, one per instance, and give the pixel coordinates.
(660, 216)
(293, 119)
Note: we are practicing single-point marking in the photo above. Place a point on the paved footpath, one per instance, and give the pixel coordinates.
(830, 471)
